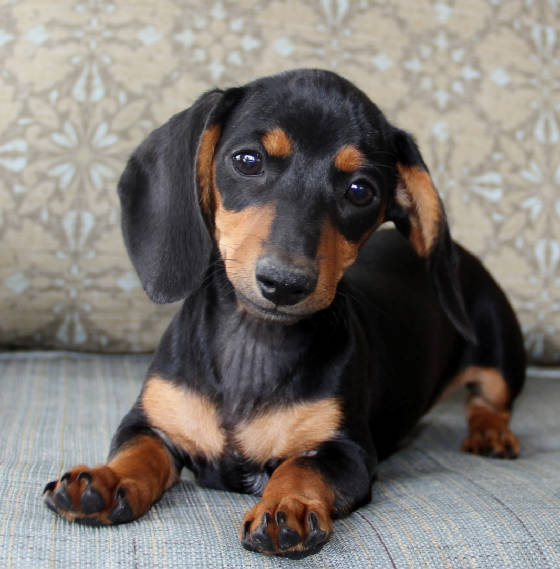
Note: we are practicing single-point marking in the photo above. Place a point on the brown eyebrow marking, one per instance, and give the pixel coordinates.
(277, 143)
(349, 159)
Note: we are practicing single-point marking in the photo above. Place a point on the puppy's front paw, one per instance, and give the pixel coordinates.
(294, 527)
(92, 496)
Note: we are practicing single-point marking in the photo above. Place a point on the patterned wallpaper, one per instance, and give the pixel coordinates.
(82, 82)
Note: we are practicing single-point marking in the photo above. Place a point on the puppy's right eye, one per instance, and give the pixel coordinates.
(248, 163)
(361, 193)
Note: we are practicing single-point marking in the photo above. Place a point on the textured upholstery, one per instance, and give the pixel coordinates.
(432, 507)
(83, 82)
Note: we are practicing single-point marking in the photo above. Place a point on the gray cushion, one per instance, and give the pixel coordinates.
(432, 506)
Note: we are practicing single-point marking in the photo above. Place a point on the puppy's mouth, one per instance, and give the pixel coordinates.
(271, 313)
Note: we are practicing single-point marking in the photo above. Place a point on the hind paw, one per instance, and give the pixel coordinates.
(493, 443)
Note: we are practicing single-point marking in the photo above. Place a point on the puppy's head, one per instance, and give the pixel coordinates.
(285, 178)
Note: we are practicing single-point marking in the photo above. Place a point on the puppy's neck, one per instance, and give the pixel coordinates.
(258, 363)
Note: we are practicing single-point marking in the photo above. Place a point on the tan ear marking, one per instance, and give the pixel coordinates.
(277, 143)
(416, 194)
(349, 159)
(205, 159)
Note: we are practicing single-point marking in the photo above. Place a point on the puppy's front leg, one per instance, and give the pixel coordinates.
(303, 495)
(116, 492)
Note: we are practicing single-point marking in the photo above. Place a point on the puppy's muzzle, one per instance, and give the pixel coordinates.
(284, 284)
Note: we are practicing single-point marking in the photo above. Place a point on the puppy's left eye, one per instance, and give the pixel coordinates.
(361, 193)
(248, 163)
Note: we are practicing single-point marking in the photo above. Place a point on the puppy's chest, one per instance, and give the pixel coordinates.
(196, 425)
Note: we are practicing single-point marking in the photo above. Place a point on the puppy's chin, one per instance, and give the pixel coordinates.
(269, 313)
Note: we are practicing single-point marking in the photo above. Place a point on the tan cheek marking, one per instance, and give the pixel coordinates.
(205, 172)
(285, 432)
(349, 159)
(240, 237)
(277, 143)
(189, 419)
(417, 195)
(334, 255)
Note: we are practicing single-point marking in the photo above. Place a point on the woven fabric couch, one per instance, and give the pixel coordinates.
(433, 506)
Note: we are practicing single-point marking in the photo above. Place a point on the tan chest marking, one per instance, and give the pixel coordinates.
(288, 431)
(188, 418)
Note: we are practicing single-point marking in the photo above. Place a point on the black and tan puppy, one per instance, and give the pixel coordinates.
(306, 347)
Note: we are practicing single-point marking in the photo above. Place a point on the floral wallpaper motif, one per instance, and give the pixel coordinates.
(82, 82)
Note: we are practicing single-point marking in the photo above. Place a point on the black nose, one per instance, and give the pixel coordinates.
(284, 285)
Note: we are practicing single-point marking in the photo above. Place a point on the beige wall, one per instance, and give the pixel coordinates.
(81, 83)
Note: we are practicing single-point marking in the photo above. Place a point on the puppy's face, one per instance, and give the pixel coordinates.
(287, 176)
(295, 180)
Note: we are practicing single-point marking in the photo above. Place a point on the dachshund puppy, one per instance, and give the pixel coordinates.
(307, 345)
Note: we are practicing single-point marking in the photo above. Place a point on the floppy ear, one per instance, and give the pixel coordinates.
(161, 191)
(418, 214)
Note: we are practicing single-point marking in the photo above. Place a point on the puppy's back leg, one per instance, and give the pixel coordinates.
(488, 413)
(494, 368)
(494, 373)
(135, 477)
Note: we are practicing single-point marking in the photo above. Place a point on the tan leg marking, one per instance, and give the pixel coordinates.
(487, 413)
(294, 516)
(188, 418)
(117, 492)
